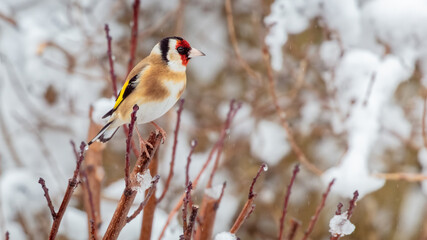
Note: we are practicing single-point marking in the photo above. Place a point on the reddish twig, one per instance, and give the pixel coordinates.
(352, 204)
(93, 235)
(187, 168)
(110, 60)
(294, 227)
(285, 203)
(195, 181)
(234, 107)
(147, 197)
(119, 218)
(7, 235)
(134, 34)
(249, 206)
(46, 195)
(93, 231)
(339, 209)
(72, 184)
(319, 208)
(175, 143)
(192, 221)
(128, 140)
(186, 200)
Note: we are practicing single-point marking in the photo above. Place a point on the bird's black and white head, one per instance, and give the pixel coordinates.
(176, 52)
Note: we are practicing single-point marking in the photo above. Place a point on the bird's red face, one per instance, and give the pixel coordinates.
(183, 48)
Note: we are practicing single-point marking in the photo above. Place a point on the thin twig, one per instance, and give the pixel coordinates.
(119, 218)
(147, 197)
(283, 120)
(233, 38)
(234, 108)
(175, 143)
(72, 184)
(294, 227)
(185, 204)
(424, 122)
(7, 235)
(110, 60)
(410, 177)
(352, 204)
(134, 34)
(195, 181)
(192, 221)
(317, 213)
(187, 168)
(339, 209)
(93, 229)
(93, 235)
(128, 140)
(249, 206)
(285, 203)
(46, 195)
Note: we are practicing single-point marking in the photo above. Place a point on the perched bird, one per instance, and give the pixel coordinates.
(155, 84)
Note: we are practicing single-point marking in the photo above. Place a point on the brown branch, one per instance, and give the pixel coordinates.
(294, 227)
(192, 221)
(7, 235)
(150, 208)
(128, 143)
(410, 177)
(119, 218)
(319, 208)
(72, 184)
(285, 203)
(187, 168)
(424, 122)
(283, 120)
(110, 60)
(213, 150)
(339, 209)
(147, 197)
(175, 143)
(186, 200)
(134, 35)
(233, 39)
(208, 214)
(46, 195)
(249, 206)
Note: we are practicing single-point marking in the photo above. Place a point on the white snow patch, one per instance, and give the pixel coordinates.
(214, 192)
(144, 181)
(339, 225)
(269, 143)
(225, 236)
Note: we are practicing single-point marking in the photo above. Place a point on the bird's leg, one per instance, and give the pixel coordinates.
(143, 144)
(161, 131)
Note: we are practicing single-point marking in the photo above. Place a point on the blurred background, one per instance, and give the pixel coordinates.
(349, 77)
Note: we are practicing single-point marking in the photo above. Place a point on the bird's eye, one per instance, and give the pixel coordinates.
(180, 50)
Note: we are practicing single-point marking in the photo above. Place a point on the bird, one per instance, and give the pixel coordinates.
(155, 84)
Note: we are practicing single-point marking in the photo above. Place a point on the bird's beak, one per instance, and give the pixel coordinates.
(195, 53)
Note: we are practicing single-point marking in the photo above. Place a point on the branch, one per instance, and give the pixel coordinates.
(134, 36)
(7, 235)
(93, 233)
(147, 197)
(249, 206)
(120, 215)
(175, 142)
(351, 205)
(128, 144)
(110, 60)
(410, 177)
(213, 150)
(72, 184)
(283, 120)
(49, 201)
(187, 168)
(285, 203)
(186, 200)
(319, 208)
(294, 226)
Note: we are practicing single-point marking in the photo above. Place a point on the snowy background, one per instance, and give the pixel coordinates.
(350, 76)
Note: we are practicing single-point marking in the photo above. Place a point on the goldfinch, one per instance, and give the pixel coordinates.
(155, 84)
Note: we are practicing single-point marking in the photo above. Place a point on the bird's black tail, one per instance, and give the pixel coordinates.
(106, 133)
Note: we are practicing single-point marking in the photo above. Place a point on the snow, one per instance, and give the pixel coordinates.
(214, 192)
(144, 181)
(268, 142)
(225, 236)
(339, 225)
